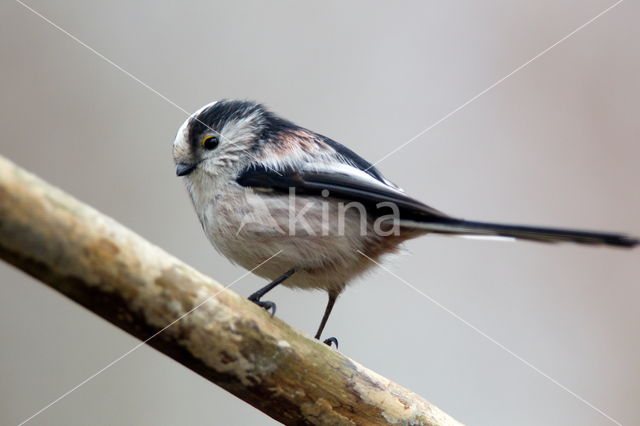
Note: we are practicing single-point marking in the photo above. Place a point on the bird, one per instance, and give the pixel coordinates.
(302, 210)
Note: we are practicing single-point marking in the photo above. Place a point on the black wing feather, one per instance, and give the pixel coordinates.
(354, 158)
(339, 185)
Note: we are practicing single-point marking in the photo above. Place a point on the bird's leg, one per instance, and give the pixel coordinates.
(269, 306)
(333, 295)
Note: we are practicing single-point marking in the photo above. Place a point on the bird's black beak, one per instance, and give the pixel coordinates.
(184, 169)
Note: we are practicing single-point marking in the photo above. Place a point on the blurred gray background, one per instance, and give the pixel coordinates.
(555, 144)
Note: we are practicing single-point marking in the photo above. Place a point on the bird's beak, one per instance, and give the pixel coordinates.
(184, 169)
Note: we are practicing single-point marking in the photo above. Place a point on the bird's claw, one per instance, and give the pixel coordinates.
(330, 341)
(266, 305)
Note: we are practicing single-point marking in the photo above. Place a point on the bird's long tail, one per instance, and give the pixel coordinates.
(461, 227)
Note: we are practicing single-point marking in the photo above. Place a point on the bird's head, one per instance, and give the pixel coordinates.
(220, 138)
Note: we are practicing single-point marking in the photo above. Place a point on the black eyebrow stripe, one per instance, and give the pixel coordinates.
(215, 116)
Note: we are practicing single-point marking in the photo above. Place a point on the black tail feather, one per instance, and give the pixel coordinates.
(532, 233)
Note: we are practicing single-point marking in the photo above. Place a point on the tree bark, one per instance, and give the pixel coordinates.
(135, 285)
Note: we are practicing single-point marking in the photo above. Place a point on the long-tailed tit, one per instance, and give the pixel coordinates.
(262, 185)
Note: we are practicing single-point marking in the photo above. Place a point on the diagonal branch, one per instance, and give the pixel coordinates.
(135, 285)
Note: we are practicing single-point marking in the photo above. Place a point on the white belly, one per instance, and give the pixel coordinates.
(316, 236)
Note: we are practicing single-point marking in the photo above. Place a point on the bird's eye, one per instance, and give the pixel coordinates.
(210, 142)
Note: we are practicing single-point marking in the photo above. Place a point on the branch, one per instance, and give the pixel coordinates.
(229, 341)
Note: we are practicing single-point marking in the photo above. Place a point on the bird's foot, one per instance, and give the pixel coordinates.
(266, 305)
(331, 341)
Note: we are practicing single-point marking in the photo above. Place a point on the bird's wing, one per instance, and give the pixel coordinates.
(342, 181)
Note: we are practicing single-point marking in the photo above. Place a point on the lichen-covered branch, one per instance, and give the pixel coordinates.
(135, 285)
